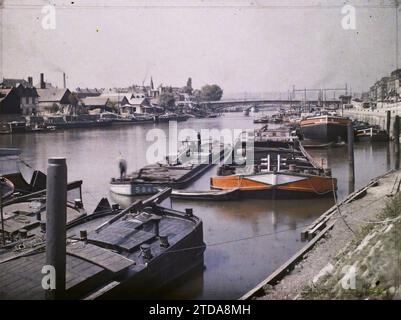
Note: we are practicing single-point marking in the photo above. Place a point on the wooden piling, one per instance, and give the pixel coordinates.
(56, 217)
(199, 142)
(397, 141)
(2, 217)
(388, 122)
(351, 160)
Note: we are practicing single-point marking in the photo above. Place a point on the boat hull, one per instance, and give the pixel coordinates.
(136, 188)
(163, 270)
(277, 185)
(325, 129)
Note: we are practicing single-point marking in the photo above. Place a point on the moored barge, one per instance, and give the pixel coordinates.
(365, 132)
(281, 169)
(178, 174)
(325, 128)
(114, 253)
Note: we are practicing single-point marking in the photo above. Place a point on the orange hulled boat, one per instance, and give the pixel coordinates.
(281, 169)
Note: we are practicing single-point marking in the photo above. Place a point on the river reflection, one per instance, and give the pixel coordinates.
(246, 240)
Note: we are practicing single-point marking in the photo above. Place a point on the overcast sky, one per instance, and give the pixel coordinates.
(253, 46)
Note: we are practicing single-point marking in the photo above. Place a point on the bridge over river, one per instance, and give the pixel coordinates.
(246, 104)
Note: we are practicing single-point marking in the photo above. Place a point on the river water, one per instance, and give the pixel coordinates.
(246, 240)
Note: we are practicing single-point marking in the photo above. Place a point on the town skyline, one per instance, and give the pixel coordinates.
(98, 49)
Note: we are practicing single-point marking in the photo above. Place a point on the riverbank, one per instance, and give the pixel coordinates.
(357, 255)
(376, 116)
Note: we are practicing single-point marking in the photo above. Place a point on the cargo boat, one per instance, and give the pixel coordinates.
(73, 122)
(113, 253)
(325, 128)
(117, 120)
(366, 132)
(25, 216)
(263, 120)
(12, 127)
(281, 169)
(178, 174)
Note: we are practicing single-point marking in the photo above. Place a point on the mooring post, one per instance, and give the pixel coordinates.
(3, 235)
(388, 122)
(397, 141)
(56, 218)
(351, 160)
(199, 142)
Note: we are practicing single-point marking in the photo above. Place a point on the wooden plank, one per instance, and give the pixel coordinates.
(102, 290)
(120, 237)
(288, 265)
(90, 252)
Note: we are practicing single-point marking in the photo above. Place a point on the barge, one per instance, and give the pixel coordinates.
(113, 253)
(12, 127)
(363, 131)
(281, 169)
(25, 215)
(178, 174)
(325, 128)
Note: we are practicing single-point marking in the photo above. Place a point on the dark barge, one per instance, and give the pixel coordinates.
(114, 253)
(363, 131)
(325, 128)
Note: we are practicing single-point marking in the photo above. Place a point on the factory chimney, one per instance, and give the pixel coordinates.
(64, 81)
(30, 81)
(42, 81)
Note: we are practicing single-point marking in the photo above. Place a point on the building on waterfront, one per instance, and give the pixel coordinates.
(387, 89)
(27, 101)
(382, 89)
(9, 102)
(116, 99)
(373, 92)
(393, 86)
(97, 105)
(140, 105)
(53, 100)
(84, 93)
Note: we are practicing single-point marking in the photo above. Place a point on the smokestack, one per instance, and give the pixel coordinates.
(30, 81)
(64, 81)
(42, 81)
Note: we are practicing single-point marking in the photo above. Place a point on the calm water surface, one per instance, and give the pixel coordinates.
(246, 240)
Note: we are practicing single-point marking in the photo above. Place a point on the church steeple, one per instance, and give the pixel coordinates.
(151, 84)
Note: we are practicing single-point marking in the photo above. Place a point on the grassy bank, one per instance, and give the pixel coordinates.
(369, 266)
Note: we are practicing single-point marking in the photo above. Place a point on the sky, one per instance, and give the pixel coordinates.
(244, 46)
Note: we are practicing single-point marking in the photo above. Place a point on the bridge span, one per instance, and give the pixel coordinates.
(265, 102)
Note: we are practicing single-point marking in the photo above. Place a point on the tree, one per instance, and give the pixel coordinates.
(197, 95)
(167, 100)
(211, 92)
(188, 88)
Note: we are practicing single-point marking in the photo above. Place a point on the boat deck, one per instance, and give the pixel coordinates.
(113, 254)
(21, 278)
